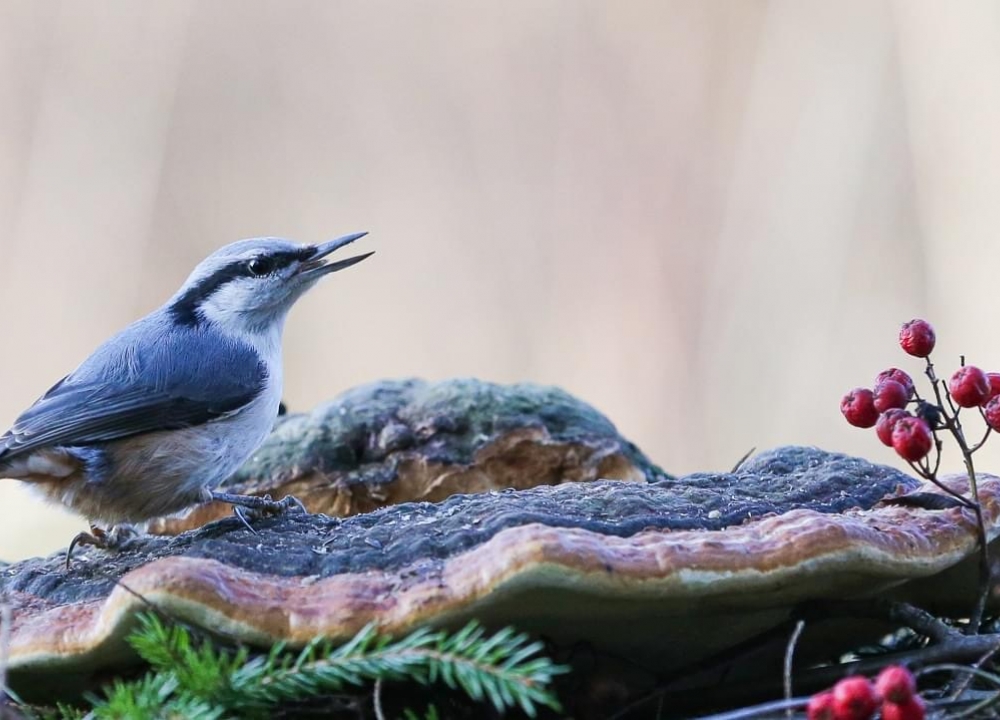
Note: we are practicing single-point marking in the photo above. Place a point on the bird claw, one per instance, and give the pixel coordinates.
(291, 504)
(117, 538)
(242, 515)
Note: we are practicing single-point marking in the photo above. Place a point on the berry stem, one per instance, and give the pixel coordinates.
(954, 426)
(985, 436)
(938, 445)
(984, 553)
(924, 472)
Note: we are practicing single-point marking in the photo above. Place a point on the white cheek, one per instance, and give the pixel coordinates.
(247, 307)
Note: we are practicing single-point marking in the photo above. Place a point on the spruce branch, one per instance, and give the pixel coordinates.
(200, 681)
(153, 696)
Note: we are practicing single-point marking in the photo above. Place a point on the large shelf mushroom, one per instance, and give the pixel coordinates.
(665, 572)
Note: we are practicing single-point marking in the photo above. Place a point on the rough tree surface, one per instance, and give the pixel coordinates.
(657, 570)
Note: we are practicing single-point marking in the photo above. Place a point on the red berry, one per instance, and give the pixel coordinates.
(994, 379)
(911, 438)
(992, 413)
(858, 407)
(854, 698)
(895, 684)
(890, 394)
(886, 422)
(899, 376)
(820, 707)
(912, 709)
(969, 386)
(917, 338)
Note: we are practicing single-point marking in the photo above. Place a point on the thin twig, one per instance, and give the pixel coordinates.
(951, 645)
(985, 436)
(963, 680)
(938, 445)
(892, 611)
(746, 456)
(968, 673)
(195, 630)
(963, 648)
(729, 656)
(377, 700)
(926, 473)
(954, 426)
(976, 617)
(789, 657)
(142, 598)
(957, 648)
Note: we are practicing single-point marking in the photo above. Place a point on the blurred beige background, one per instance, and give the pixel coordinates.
(706, 218)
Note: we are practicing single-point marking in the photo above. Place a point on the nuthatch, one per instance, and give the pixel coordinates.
(171, 406)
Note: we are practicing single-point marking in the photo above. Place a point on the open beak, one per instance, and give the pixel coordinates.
(314, 267)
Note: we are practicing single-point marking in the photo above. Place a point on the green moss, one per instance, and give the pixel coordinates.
(446, 421)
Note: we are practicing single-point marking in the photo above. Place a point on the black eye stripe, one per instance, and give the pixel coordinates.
(185, 308)
(271, 262)
(284, 258)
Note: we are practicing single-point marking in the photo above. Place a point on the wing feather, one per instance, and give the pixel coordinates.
(176, 382)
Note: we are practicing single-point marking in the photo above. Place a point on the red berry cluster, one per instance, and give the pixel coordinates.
(856, 698)
(911, 434)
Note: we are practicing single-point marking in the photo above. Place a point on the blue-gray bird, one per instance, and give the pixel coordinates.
(171, 406)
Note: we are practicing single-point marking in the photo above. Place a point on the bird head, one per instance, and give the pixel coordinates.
(250, 285)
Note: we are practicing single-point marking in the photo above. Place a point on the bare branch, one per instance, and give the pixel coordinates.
(789, 657)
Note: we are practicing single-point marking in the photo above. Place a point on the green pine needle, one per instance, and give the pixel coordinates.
(199, 681)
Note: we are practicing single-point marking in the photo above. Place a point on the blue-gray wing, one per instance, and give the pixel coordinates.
(132, 386)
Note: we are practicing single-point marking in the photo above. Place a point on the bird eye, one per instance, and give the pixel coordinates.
(260, 266)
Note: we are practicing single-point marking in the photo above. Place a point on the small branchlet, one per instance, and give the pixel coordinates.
(202, 681)
(915, 427)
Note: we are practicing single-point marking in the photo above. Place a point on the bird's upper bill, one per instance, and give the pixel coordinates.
(314, 267)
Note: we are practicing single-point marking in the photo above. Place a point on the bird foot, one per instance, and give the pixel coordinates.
(253, 507)
(115, 538)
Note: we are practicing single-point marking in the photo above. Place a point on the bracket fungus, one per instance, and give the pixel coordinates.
(663, 571)
(408, 440)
